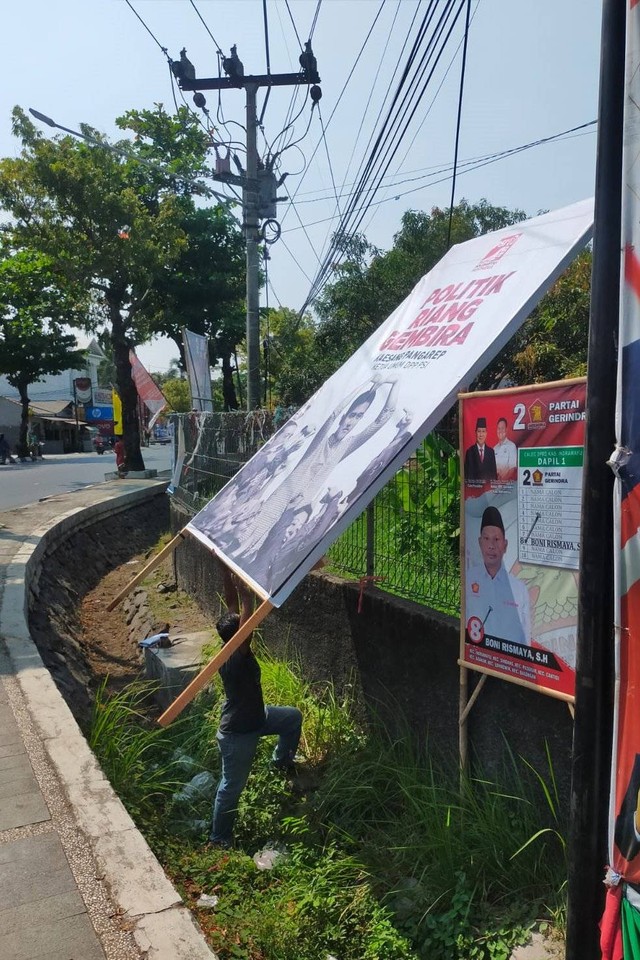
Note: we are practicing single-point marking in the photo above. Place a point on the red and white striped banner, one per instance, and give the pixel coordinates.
(624, 810)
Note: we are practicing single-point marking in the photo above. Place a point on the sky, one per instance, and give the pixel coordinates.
(532, 71)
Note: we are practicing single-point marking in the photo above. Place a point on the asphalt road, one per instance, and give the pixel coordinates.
(28, 482)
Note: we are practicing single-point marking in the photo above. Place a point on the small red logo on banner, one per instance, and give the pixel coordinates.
(497, 252)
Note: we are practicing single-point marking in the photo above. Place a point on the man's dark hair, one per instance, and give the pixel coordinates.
(367, 397)
(228, 625)
(503, 420)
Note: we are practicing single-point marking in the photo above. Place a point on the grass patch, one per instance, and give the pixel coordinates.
(388, 856)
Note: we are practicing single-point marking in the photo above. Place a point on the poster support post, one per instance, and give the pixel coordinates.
(146, 570)
(196, 685)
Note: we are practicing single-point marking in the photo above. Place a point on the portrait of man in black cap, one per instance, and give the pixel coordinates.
(479, 458)
(498, 599)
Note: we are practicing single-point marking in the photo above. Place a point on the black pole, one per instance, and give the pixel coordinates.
(587, 850)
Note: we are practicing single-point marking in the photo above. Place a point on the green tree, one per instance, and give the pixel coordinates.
(288, 340)
(33, 311)
(175, 387)
(177, 394)
(110, 224)
(552, 342)
(205, 289)
(369, 284)
(550, 345)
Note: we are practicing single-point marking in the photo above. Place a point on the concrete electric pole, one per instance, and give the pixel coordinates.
(258, 185)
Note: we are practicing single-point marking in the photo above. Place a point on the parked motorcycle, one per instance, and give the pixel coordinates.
(35, 450)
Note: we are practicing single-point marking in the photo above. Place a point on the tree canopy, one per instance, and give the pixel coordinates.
(116, 227)
(369, 284)
(34, 308)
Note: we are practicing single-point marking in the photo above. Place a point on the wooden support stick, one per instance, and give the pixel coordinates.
(472, 699)
(556, 694)
(214, 665)
(153, 563)
(463, 741)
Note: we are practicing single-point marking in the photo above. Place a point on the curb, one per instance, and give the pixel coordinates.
(162, 926)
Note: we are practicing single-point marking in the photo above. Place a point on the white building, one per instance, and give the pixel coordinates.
(53, 414)
(59, 386)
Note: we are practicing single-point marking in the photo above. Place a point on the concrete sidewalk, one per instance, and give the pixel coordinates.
(77, 879)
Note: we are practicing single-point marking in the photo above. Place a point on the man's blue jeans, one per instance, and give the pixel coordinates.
(237, 751)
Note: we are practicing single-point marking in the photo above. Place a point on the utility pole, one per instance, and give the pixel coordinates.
(252, 238)
(259, 185)
(593, 733)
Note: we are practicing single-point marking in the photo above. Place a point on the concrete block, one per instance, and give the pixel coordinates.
(23, 810)
(66, 937)
(136, 879)
(16, 764)
(97, 809)
(172, 935)
(175, 667)
(133, 475)
(73, 759)
(38, 868)
(41, 913)
(52, 716)
(17, 786)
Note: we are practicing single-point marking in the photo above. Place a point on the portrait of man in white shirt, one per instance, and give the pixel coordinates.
(506, 454)
(498, 599)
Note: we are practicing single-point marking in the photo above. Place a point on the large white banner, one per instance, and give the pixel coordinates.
(280, 513)
(196, 352)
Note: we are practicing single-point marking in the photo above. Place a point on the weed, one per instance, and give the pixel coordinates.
(129, 748)
(389, 857)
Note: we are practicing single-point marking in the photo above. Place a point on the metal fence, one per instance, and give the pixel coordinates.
(408, 538)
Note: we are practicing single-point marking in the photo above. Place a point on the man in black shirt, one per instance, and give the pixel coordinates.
(244, 720)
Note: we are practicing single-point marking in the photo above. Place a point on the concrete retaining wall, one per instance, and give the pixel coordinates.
(48, 560)
(68, 562)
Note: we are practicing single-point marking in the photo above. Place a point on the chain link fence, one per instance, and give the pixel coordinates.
(408, 538)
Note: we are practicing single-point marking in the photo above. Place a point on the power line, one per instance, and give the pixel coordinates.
(315, 19)
(307, 235)
(436, 169)
(271, 150)
(295, 260)
(425, 116)
(266, 42)
(326, 145)
(274, 292)
(341, 94)
(408, 107)
(458, 122)
(204, 24)
(294, 23)
(384, 100)
(373, 85)
(440, 85)
(394, 127)
(148, 29)
(470, 167)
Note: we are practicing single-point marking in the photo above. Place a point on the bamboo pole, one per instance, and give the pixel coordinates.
(472, 699)
(139, 577)
(196, 685)
(463, 735)
(527, 388)
(518, 681)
